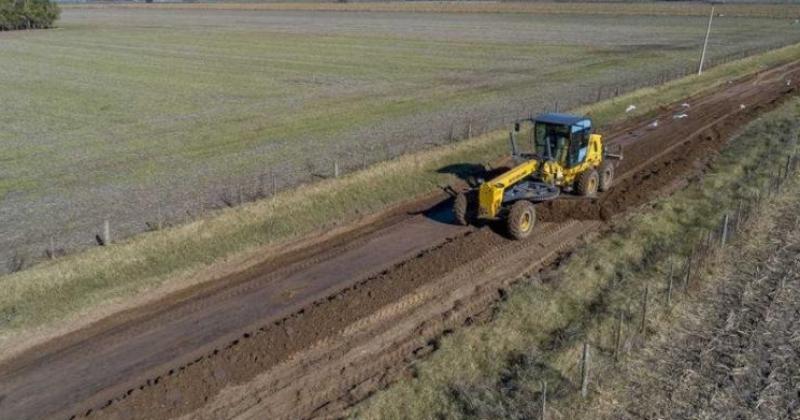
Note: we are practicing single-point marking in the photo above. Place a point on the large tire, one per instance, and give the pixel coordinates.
(588, 183)
(461, 209)
(606, 176)
(521, 219)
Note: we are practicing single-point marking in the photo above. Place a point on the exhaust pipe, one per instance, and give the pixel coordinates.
(513, 139)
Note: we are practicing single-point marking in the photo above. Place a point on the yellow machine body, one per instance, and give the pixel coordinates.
(554, 172)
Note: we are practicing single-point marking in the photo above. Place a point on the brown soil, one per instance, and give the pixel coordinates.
(310, 332)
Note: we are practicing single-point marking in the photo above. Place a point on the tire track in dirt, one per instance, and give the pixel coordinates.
(189, 376)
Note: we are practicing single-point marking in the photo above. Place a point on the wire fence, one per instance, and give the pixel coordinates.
(684, 278)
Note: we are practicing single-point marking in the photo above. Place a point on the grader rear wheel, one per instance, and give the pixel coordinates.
(588, 183)
(606, 176)
(521, 219)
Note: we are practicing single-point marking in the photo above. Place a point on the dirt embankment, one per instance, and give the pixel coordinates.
(311, 335)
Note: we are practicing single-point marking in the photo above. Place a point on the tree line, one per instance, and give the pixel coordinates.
(27, 14)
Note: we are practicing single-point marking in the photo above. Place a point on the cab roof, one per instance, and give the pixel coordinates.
(563, 119)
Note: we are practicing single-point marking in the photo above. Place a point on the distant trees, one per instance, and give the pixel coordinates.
(27, 14)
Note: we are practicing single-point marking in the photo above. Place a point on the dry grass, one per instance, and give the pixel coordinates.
(66, 292)
(727, 352)
(588, 8)
(495, 370)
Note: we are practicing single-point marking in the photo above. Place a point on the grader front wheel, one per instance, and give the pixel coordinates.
(521, 219)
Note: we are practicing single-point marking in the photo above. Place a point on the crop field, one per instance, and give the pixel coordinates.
(147, 115)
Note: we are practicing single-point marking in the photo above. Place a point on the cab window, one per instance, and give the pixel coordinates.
(552, 141)
(579, 147)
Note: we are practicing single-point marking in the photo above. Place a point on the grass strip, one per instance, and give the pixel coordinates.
(59, 291)
(495, 370)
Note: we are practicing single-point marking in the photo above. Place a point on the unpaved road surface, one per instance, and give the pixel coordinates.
(308, 332)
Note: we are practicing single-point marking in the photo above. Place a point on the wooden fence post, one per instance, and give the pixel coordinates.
(336, 168)
(618, 338)
(738, 224)
(106, 233)
(669, 286)
(52, 249)
(724, 230)
(585, 371)
(688, 272)
(788, 165)
(544, 400)
(643, 325)
(274, 182)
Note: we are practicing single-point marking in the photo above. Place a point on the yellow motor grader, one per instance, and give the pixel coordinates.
(565, 156)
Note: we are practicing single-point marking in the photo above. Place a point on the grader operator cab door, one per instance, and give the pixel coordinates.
(562, 138)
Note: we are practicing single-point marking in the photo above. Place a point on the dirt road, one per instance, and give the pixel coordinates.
(307, 332)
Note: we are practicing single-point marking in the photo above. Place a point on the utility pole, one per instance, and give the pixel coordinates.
(705, 43)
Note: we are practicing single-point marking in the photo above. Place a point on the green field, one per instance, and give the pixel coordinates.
(143, 114)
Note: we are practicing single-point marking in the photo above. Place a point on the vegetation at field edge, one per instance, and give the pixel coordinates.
(27, 14)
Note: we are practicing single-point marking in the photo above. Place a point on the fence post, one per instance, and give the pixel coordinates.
(669, 286)
(643, 325)
(52, 248)
(106, 232)
(724, 230)
(618, 338)
(585, 371)
(469, 129)
(737, 226)
(336, 168)
(272, 179)
(544, 400)
(788, 165)
(688, 271)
